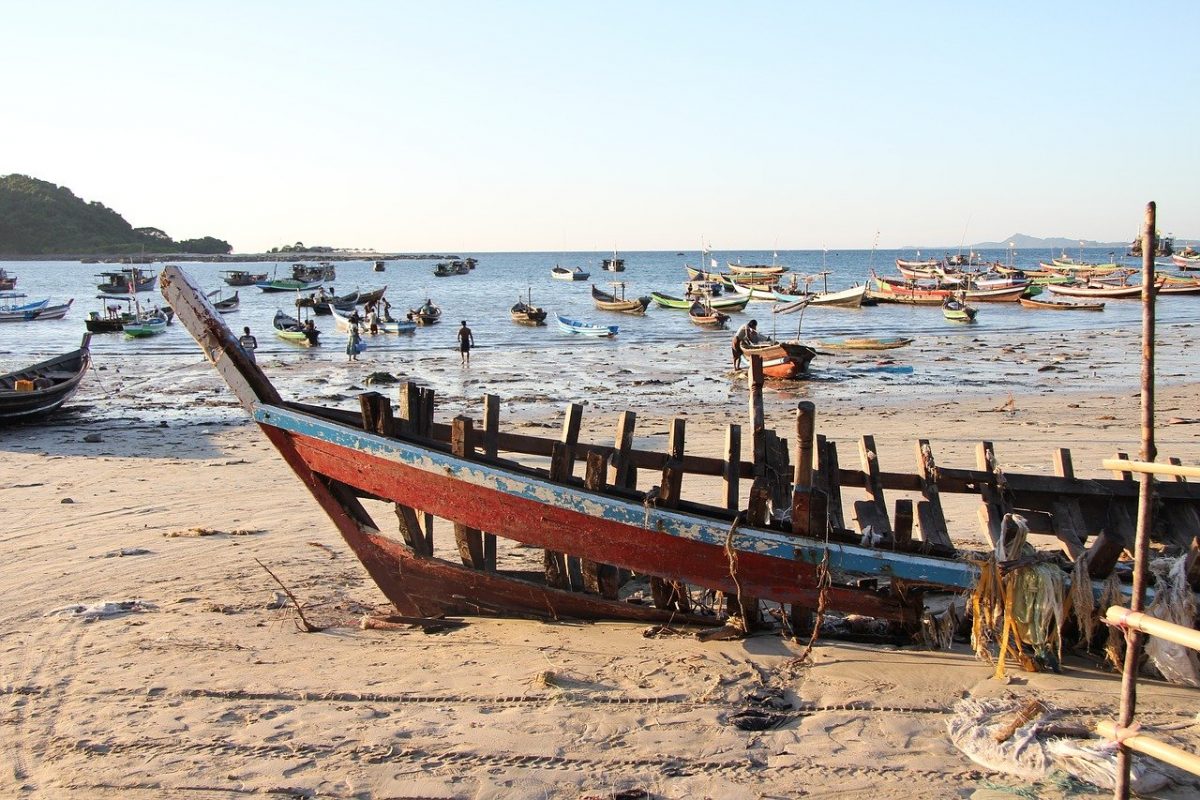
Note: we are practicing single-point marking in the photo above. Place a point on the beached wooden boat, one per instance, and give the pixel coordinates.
(612, 302)
(240, 277)
(293, 330)
(342, 322)
(223, 304)
(40, 389)
(564, 274)
(774, 355)
(568, 325)
(862, 342)
(119, 281)
(524, 312)
(726, 304)
(599, 529)
(957, 310)
(706, 316)
(1060, 305)
(427, 314)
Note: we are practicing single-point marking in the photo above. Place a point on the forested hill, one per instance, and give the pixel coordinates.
(38, 217)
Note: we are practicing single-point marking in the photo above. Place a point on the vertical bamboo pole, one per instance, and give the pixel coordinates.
(1141, 547)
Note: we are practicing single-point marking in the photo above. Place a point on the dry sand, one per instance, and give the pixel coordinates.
(211, 693)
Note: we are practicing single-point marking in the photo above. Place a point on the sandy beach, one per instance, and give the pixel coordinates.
(211, 691)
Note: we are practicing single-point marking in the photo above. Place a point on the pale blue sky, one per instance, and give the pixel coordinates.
(561, 126)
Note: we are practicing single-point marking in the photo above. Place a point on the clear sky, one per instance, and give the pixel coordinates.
(470, 126)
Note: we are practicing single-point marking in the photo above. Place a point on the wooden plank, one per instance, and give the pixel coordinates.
(872, 514)
(562, 465)
(1070, 527)
(409, 408)
(410, 531)
(598, 578)
(733, 455)
(994, 506)
(422, 423)
(1119, 474)
(833, 486)
(931, 520)
(902, 534)
(469, 540)
(622, 471)
(1063, 466)
(1103, 554)
(377, 418)
(491, 436)
(806, 428)
(672, 594)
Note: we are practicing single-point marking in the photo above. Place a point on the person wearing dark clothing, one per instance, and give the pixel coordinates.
(466, 340)
(747, 334)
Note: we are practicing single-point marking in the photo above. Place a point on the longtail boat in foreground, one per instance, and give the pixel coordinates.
(603, 535)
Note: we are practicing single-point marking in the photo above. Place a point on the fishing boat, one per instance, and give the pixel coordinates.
(894, 290)
(524, 312)
(1059, 305)
(728, 304)
(221, 303)
(289, 285)
(427, 314)
(8, 281)
(739, 269)
(240, 277)
(918, 264)
(1082, 289)
(342, 322)
(1186, 259)
(693, 290)
(111, 318)
(293, 330)
(444, 269)
(957, 310)
(935, 272)
(613, 264)
(845, 298)
(1164, 288)
(761, 293)
(612, 302)
(862, 342)
(38, 390)
(54, 311)
(380, 266)
(131, 279)
(564, 274)
(567, 325)
(22, 312)
(781, 359)
(371, 295)
(705, 316)
(146, 325)
(322, 272)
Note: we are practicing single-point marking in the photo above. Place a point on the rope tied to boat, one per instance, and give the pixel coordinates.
(648, 502)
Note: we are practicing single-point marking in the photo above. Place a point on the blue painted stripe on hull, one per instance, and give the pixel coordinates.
(847, 558)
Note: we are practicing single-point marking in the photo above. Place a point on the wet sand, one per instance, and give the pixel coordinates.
(212, 693)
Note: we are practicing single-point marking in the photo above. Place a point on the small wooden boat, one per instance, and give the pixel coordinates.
(343, 323)
(111, 318)
(845, 298)
(564, 274)
(611, 302)
(8, 281)
(718, 303)
(322, 272)
(895, 290)
(444, 269)
(1060, 305)
(292, 330)
(524, 312)
(613, 264)
(863, 342)
(427, 314)
(567, 325)
(370, 296)
(380, 266)
(223, 304)
(240, 277)
(697, 289)
(289, 285)
(1082, 289)
(116, 282)
(706, 316)
(146, 325)
(755, 269)
(43, 388)
(919, 264)
(957, 310)
(22, 312)
(763, 292)
(781, 359)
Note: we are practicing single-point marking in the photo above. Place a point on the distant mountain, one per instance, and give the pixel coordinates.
(1023, 242)
(38, 217)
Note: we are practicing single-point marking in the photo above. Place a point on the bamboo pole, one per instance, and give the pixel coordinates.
(1148, 746)
(1141, 547)
(1153, 626)
(1151, 467)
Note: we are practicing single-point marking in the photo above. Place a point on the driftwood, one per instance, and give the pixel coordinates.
(303, 624)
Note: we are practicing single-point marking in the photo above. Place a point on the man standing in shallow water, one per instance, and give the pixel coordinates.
(466, 340)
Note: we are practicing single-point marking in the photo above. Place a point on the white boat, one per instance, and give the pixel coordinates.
(846, 298)
(23, 312)
(585, 328)
(564, 274)
(765, 292)
(342, 322)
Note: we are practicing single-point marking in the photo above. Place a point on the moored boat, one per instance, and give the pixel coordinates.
(862, 342)
(8, 281)
(524, 312)
(22, 312)
(727, 304)
(1082, 289)
(223, 304)
(568, 325)
(611, 302)
(293, 330)
(427, 314)
(342, 322)
(146, 325)
(380, 266)
(564, 274)
(1059, 305)
(613, 264)
(844, 298)
(289, 285)
(42, 388)
(957, 310)
(706, 316)
(132, 279)
(240, 277)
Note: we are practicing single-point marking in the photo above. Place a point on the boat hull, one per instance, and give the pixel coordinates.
(67, 372)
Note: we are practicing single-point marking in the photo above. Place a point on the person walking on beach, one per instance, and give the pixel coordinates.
(354, 344)
(466, 340)
(248, 343)
(747, 334)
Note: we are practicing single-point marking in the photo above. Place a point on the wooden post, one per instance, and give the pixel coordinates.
(806, 429)
(601, 579)
(469, 540)
(410, 407)
(1141, 551)
(376, 412)
(833, 485)
(731, 470)
(902, 534)
(666, 593)
(491, 436)
(872, 513)
(1069, 525)
(622, 472)
(562, 465)
(423, 426)
(991, 513)
(757, 511)
(406, 516)
(930, 517)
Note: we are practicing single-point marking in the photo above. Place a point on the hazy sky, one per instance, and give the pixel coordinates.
(433, 126)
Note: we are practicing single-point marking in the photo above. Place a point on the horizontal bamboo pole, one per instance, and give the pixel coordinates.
(1153, 626)
(1149, 746)
(1151, 467)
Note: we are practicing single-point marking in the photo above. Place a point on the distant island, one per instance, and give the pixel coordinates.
(38, 218)
(1022, 241)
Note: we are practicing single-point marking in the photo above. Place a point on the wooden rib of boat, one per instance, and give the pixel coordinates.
(524, 312)
(1060, 305)
(862, 342)
(292, 330)
(728, 304)
(706, 316)
(564, 274)
(225, 305)
(43, 388)
(568, 325)
(611, 302)
(845, 298)
(957, 310)
(342, 322)
(239, 277)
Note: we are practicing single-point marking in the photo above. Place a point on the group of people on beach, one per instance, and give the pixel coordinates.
(354, 345)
